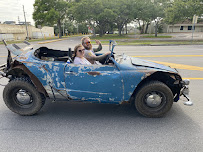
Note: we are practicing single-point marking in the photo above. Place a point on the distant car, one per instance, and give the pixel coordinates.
(37, 74)
(109, 32)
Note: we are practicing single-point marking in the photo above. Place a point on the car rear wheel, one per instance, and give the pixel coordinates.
(154, 99)
(22, 97)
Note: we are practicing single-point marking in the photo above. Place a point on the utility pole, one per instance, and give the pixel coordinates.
(63, 28)
(18, 20)
(194, 21)
(25, 22)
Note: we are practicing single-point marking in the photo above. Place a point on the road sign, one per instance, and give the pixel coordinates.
(194, 21)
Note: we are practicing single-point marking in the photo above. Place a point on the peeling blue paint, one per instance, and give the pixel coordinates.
(113, 83)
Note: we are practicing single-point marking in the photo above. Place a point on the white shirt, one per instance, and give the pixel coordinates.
(89, 54)
(83, 60)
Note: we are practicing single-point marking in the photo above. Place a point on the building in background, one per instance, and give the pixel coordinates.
(185, 27)
(10, 22)
(18, 32)
(23, 23)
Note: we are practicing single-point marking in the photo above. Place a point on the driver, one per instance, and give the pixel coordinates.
(90, 52)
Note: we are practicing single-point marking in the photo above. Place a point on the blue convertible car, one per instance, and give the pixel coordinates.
(37, 74)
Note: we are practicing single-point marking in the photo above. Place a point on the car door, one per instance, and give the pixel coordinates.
(100, 83)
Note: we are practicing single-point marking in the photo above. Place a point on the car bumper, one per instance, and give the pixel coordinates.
(2, 67)
(185, 92)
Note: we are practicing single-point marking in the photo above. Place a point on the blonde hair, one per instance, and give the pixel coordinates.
(83, 39)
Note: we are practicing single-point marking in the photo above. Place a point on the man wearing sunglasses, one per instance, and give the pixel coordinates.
(90, 52)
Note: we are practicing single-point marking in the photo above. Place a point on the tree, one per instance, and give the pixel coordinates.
(82, 28)
(104, 20)
(147, 11)
(84, 11)
(194, 7)
(181, 10)
(157, 14)
(123, 12)
(50, 12)
(176, 12)
(94, 13)
(142, 13)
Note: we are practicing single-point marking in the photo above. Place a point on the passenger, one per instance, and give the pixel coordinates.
(90, 52)
(79, 55)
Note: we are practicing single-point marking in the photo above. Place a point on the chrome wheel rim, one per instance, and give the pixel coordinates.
(153, 99)
(23, 98)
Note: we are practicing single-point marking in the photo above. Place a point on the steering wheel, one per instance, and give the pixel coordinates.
(108, 57)
(112, 44)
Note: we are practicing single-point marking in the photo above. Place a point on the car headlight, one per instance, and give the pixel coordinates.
(186, 82)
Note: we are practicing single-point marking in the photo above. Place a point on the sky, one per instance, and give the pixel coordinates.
(10, 10)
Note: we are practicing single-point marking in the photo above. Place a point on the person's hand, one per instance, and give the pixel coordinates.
(97, 42)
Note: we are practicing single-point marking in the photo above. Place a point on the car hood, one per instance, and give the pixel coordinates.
(149, 64)
(16, 50)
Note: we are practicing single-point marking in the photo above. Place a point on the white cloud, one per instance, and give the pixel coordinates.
(10, 10)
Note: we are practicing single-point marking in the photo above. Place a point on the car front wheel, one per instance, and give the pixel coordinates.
(22, 97)
(154, 99)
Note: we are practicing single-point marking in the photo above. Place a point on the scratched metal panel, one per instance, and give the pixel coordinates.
(49, 73)
(145, 63)
(56, 71)
(94, 83)
(43, 76)
(42, 68)
(131, 79)
(100, 83)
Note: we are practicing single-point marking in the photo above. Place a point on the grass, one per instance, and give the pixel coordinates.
(117, 37)
(143, 42)
(152, 36)
(110, 37)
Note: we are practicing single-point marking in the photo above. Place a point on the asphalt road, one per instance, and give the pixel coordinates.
(63, 126)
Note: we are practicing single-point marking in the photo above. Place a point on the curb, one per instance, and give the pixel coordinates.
(52, 41)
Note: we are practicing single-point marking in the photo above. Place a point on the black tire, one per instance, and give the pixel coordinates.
(43, 99)
(154, 99)
(21, 97)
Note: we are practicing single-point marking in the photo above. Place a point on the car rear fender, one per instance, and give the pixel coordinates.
(47, 80)
(20, 70)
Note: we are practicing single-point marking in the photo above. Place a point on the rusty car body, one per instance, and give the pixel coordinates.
(37, 74)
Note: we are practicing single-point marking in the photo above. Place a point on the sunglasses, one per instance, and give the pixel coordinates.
(87, 42)
(81, 50)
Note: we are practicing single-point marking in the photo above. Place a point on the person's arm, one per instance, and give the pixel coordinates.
(93, 58)
(99, 47)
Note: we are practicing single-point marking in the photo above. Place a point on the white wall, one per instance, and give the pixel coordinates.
(18, 32)
(176, 28)
(9, 37)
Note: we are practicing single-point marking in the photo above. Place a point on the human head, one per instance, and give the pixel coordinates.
(79, 51)
(86, 42)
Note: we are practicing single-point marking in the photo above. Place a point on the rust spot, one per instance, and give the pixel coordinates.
(94, 73)
(125, 102)
(22, 57)
(25, 62)
(44, 67)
